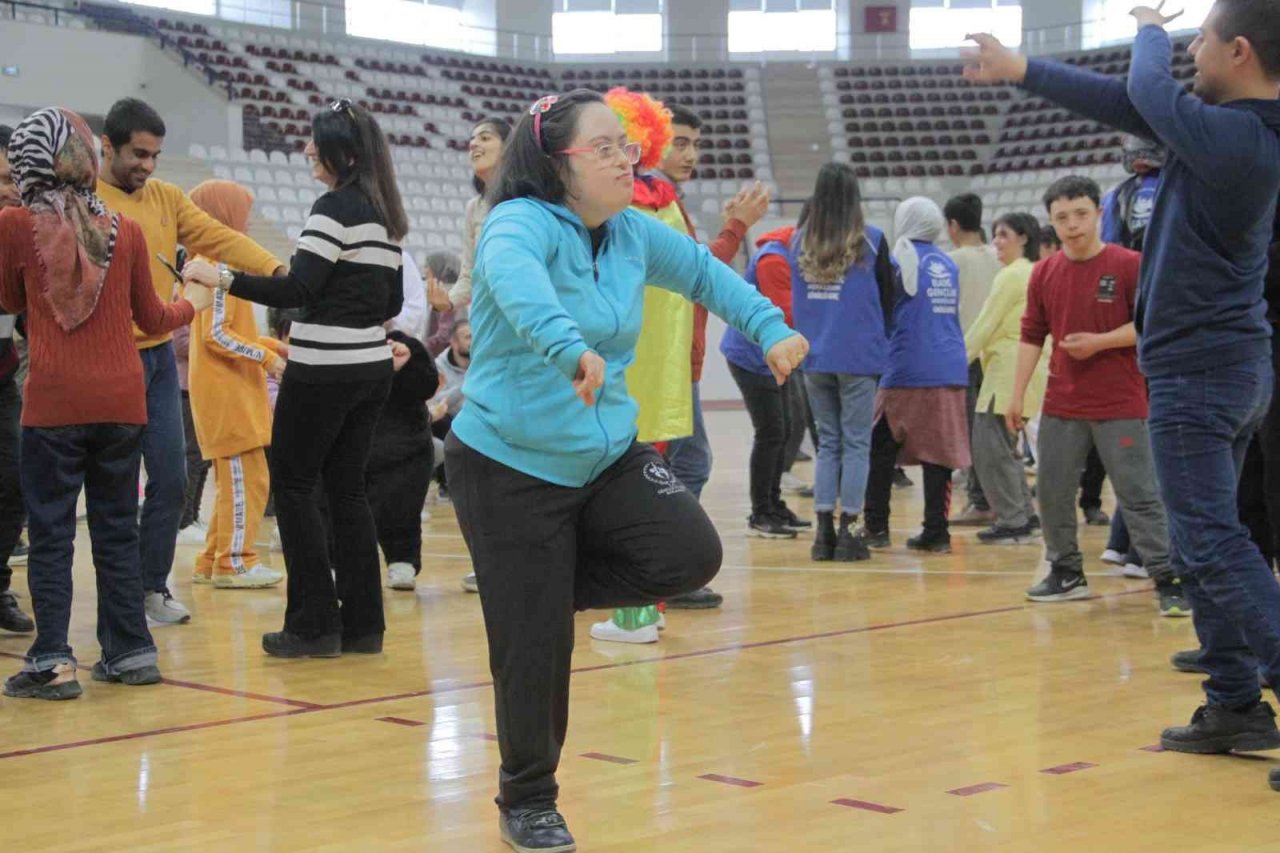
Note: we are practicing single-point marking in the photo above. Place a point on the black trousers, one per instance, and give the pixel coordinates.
(440, 429)
(884, 458)
(801, 419)
(396, 496)
(12, 513)
(769, 406)
(632, 537)
(197, 467)
(973, 485)
(322, 434)
(1091, 481)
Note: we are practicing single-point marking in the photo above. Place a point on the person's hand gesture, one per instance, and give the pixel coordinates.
(749, 205)
(786, 355)
(438, 294)
(199, 297)
(1080, 345)
(1146, 15)
(1013, 418)
(275, 369)
(200, 272)
(438, 411)
(590, 377)
(399, 354)
(992, 62)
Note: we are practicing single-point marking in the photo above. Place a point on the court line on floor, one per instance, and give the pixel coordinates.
(453, 688)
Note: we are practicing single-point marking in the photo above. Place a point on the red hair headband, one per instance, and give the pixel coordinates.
(539, 107)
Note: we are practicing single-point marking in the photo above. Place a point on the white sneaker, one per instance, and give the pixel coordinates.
(259, 577)
(195, 534)
(164, 608)
(611, 633)
(1113, 557)
(1133, 570)
(469, 583)
(791, 484)
(400, 576)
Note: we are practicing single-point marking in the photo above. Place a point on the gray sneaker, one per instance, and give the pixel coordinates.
(164, 608)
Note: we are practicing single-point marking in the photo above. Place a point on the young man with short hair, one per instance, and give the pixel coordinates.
(979, 267)
(132, 140)
(1204, 339)
(1084, 298)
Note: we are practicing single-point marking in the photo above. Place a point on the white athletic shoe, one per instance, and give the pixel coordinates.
(1113, 557)
(791, 484)
(163, 608)
(400, 576)
(1133, 570)
(469, 583)
(611, 633)
(195, 534)
(259, 577)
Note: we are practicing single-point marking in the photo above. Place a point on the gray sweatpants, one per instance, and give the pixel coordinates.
(1125, 450)
(999, 465)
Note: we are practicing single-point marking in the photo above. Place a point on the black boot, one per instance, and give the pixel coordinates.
(11, 617)
(824, 543)
(1215, 729)
(851, 544)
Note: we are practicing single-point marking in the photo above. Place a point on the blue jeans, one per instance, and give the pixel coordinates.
(1119, 542)
(690, 458)
(1201, 424)
(164, 449)
(101, 459)
(843, 406)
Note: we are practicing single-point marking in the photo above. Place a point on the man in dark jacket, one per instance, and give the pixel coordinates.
(1203, 339)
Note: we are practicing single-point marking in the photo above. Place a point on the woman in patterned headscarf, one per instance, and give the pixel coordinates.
(83, 278)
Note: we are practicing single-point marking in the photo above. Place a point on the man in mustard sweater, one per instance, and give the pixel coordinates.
(131, 143)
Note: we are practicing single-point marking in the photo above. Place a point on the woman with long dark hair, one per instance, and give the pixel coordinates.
(993, 338)
(347, 279)
(561, 508)
(843, 284)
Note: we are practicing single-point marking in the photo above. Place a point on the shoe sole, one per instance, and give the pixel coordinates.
(1018, 540)
(250, 585)
(510, 842)
(1245, 742)
(119, 679)
(752, 533)
(1076, 594)
(645, 642)
(182, 621)
(698, 605)
(59, 693)
(405, 587)
(1134, 575)
(474, 590)
(1190, 670)
(931, 549)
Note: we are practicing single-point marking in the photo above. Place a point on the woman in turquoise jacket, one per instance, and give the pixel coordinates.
(562, 510)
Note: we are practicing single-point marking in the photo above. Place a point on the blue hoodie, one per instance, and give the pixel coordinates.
(540, 300)
(1200, 296)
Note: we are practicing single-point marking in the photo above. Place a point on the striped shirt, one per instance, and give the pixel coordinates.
(347, 277)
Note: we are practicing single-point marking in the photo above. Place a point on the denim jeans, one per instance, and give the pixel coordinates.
(101, 459)
(843, 406)
(11, 513)
(164, 455)
(1201, 424)
(690, 457)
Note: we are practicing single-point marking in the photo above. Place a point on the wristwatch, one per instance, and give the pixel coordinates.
(225, 278)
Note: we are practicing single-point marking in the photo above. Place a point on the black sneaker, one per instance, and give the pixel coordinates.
(700, 599)
(536, 831)
(1060, 586)
(932, 543)
(851, 546)
(1095, 517)
(11, 616)
(53, 684)
(132, 677)
(283, 644)
(997, 535)
(769, 527)
(369, 644)
(21, 552)
(790, 520)
(1171, 601)
(1189, 661)
(877, 539)
(1216, 730)
(901, 480)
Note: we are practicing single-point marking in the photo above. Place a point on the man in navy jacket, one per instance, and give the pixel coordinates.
(1203, 338)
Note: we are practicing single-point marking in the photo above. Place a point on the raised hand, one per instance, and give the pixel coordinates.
(1146, 15)
(438, 294)
(786, 355)
(992, 62)
(749, 205)
(590, 377)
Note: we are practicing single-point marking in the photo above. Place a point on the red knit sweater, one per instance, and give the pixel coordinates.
(91, 374)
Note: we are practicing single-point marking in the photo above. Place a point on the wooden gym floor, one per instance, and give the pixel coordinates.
(904, 704)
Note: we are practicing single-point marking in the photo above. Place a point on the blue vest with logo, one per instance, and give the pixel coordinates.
(927, 347)
(737, 348)
(844, 321)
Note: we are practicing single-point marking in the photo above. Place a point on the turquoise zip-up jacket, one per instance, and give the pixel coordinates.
(540, 300)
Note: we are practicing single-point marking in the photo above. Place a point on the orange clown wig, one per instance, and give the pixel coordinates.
(645, 120)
